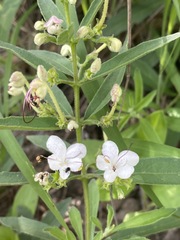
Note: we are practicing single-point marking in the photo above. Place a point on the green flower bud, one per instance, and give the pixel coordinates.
(116, 92)
(41, 38)
(95, 66)
(17, 80)
(39, 25)
(84, 32)
(72, 1)
(65, 50)
(114, 44)
(42, 73)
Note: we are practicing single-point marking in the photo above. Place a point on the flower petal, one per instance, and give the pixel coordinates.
(125, 172)
(74, 164)
(54, 163)
(64, 173)
(76, 150)
(102, 163)
(131, 158)
(110, 150)
(110, 175)
(56, 146)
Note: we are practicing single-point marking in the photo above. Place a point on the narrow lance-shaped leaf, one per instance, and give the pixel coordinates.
(134, 53)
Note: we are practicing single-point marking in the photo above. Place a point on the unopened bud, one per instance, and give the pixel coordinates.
(39, 25)
(65, 50)
(84, 32)
(15, 91)
(72, 125)
(95, 66)
(42, 73)
(114, 45)
(41, 38)
(116, 92)
(72, 1)
(53, 25)
(17, 80)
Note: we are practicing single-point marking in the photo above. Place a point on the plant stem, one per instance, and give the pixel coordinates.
(104, 14)
(76, 88)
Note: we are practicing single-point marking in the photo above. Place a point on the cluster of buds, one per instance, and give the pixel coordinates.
(16, 84)
(51, 29)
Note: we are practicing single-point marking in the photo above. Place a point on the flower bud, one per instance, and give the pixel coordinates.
(15, 91)
(41, 38)
(65, 50)
(114, 45)
(17, 80)
(42, 73)
(95, 66)
(53, 25)
(84, 32)
(39, 25)
(72, 125)
(116, 92)
(72, 1)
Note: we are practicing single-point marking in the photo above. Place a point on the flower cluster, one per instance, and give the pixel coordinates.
(66, 160)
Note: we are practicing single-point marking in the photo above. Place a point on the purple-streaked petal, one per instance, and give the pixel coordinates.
(110, 176)
(56, 146)
(110, 150)
(64, 173)
(75, 164)
(76, 150)
(53, 161)
(102, 163)
(131, 158)
(53, 20)
(125, 172)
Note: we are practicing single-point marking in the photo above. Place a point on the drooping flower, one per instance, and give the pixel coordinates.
(53, 25)
(115, 164)
(42, 178)
(16, 83)
(65, 159)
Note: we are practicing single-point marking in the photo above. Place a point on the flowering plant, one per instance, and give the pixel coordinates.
(110, 167)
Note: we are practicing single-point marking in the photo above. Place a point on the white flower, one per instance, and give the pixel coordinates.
(65, 159)
(53, 25)
(115, 164)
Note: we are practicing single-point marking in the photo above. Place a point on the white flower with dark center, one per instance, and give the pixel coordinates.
(65, 159)
(42, 178)
(115, 164)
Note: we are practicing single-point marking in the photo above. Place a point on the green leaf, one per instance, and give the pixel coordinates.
(177, 6)
(54, 231)
(91, 13)
(93, 147)
(7, 15)
(158, 170)
(133, 54)
(37, 124)
(173, 123)
(93, 204)
(25, 198)
(65, 36)
(147, 132)
(7, 234)
(145, 102)
(31, 59)
(60, 63)
(76, 221)
(138, 82)
(97, 222)
(158, 122)
(147, 223)
(102, 96)
(136, 238)
(147, 148)
(24, 165)
(49, 9)
(12, 178)
(39, 140)
(62, 101)
(27, 226)
(110, 215)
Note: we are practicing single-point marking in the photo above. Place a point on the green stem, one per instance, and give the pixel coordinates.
(79, 129)
(104, 14)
